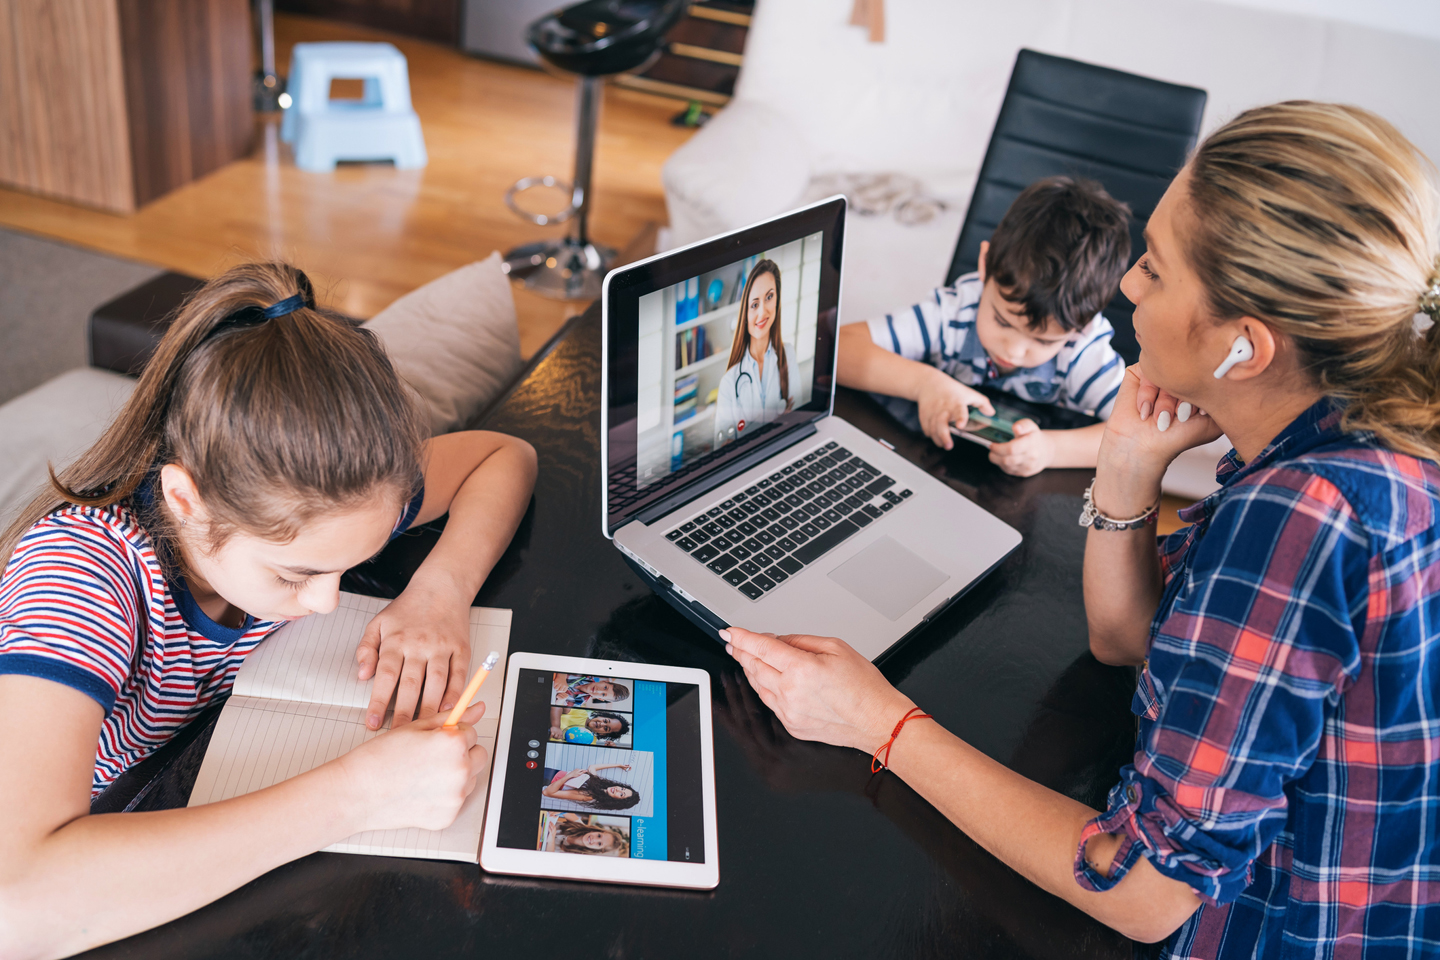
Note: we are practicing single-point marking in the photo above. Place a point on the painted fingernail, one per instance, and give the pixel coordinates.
(725, 635)
(729, 649)
(1182, 412)
(1145, 410)
(1162, 422)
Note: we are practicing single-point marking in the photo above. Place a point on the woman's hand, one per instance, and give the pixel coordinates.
(1031, 451)
(819, 687)
(418, 775)
(420, 641)
(1143, 435)
(943, 400)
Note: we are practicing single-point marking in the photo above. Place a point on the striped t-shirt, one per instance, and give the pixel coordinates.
(940, 330)
(84, 602)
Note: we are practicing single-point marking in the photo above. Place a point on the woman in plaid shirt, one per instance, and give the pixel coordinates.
(1284, 797)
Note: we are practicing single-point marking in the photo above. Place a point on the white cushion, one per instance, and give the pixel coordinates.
(455, 341)
(53, 424)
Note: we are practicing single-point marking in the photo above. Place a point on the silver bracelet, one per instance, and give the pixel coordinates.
(1091, 517)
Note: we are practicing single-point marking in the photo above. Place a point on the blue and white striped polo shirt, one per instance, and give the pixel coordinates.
(1085, 375)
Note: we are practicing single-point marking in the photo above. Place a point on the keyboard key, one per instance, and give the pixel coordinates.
(771, 514)
(686, 544)
(722, 563)
(820, 522)
(776, 574)
(809, 457)
(713, 529)
(809, 529)
(751, 591)
(750, 567)
(673, 535)
(761, 499)
(745, 527)
(763, 582)
(714, 512)
(844, 507)
(862, 518)
(831, 445)
(752, 507)
(735, 577)
(786, 543)
(905, 493)
(830, 515)
(763, 484)
(740, 496)
(789, 523)
(841, 453)
(699, 536)
(886, 506)
(790, 565)
(812, 510)
(854, 502)
(805, 473)
(815, 486)
(740, 553)
(723, 542)
(799, 536)
(751, 491)
(765, 536)
(725, 521)
(774, 553)
(879, 485)
(775, 477)
(794, 500)
(873, 511)
(705, 554)
(687, 526)
(736, 515)
(826, 542)
(798, 464)
(727, 504)
(753, 545)
(784, 486)
(865, 466)
(786, 471)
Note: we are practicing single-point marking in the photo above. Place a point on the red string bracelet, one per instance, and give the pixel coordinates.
(877, 764)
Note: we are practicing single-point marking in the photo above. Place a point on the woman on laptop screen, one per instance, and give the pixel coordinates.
(756, 385)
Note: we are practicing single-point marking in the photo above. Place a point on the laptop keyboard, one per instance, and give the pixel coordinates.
(765, 534)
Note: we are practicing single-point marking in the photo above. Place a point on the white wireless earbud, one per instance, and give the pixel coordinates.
(1240, 351)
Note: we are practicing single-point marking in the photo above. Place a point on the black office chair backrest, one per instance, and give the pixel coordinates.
(1132, 134)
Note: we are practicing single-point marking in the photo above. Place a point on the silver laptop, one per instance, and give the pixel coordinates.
(729, 483)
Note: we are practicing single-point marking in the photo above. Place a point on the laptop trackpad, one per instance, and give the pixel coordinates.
(888, 577)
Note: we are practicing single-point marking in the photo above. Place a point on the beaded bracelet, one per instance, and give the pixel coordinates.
(877, 764)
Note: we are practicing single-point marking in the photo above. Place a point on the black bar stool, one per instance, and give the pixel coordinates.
(594, 40)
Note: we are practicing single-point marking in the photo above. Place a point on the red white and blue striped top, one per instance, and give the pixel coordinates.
(84, 602)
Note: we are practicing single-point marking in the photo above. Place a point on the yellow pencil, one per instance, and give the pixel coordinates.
(473, 687)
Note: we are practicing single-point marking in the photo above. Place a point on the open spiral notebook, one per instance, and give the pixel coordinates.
(296, 704)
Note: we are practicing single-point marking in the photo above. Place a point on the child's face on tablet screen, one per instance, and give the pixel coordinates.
(599, 689)
(597, 840)
(603, 726)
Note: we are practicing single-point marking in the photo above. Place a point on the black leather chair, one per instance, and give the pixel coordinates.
(1132, 134)
(594, 39)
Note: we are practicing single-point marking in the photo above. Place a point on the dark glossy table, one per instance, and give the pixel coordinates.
(817, 857)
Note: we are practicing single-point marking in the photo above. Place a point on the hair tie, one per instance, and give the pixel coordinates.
(253, 315)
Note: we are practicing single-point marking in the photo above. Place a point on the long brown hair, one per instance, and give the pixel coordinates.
(1324, 221)
(276, 422)
(742, 332)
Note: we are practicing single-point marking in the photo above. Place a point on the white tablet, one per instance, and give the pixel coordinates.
(603, 771)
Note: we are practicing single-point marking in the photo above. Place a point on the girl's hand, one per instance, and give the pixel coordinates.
(1135, 451)
(819, 687)
(943, 400)
(555, 732)
(421, 641)
(1031, 451)
(418, 775)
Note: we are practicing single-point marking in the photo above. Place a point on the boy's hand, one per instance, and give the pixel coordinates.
(943, 400)
(420, 641)
(1031, 451)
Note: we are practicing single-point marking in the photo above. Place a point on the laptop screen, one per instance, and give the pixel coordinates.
(715, 347)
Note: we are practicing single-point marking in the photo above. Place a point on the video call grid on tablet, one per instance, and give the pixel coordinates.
(604, 766)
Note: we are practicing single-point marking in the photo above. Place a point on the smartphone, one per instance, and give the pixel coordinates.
(984, 429)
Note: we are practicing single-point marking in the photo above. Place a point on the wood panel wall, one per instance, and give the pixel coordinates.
(111, 103)
(63, 124)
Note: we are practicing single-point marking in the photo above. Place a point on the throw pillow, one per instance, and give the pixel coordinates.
(454, 341)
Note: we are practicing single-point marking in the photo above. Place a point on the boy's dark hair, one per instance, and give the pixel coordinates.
(1060, 251)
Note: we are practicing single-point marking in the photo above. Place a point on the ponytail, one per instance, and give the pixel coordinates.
(277, 418)
(1324, 221)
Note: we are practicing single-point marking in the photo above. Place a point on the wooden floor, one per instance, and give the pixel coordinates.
(368, 233)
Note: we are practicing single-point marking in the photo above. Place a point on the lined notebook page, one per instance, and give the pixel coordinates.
(313, 659)
(296, 705)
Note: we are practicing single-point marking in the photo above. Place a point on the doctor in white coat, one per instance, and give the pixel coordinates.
(756, 386)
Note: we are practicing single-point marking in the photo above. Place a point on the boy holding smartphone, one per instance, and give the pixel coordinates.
(1027, 322)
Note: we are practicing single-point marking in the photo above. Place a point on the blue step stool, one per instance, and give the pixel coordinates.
(382, 125)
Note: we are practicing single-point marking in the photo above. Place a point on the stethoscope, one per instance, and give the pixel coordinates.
(746, 375)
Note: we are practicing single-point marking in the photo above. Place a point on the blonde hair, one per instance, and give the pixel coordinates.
(276, 422)
(1323, 221)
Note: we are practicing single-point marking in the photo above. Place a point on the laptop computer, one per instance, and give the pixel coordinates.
(730, 486)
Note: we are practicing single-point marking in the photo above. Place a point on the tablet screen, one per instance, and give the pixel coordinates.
(604, 766)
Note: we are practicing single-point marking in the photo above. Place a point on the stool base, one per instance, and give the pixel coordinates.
(563, 269)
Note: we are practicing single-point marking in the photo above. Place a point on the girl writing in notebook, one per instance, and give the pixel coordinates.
(268, 447)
